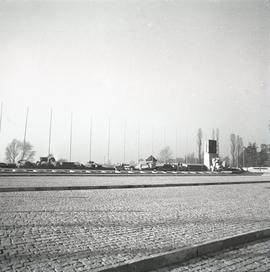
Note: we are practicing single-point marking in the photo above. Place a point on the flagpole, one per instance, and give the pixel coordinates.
(125, 128)
(70, 137)
(109, 135)
(50, 133)
(25, 126)
(90, 139)
(1, 115)
(24, 137)
(152, 141)
(176, 143)
(139, 132)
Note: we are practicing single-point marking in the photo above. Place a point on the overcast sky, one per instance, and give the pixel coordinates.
(162, 65)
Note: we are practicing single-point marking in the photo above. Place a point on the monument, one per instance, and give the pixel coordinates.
(210, 153)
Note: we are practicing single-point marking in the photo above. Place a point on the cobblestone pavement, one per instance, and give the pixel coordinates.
(82, 230)
(118, 180)
(251, 257)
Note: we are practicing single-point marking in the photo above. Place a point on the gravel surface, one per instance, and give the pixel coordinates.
(251, 257)
(86, 230)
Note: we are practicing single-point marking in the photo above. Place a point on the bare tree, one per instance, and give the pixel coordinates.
(239, 150)
(13, 151)
(199, 143)
(190, 158)
(27, 152)
(233, 149)
(165, 154)
(18, 150)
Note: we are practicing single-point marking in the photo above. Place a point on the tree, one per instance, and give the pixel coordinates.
(199, 143)
(13, 151)
(18, 150)
(180, 160)
(165, 154)
(226, 159)
(239, 150)
(27, 152)
(190, 158)
(251, 155)
(233, 149)
(263, 156)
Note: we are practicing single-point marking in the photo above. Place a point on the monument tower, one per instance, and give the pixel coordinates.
(210, 152)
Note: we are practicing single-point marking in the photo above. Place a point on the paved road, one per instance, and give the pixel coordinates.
(119, 180)
(251, 257)
(80, 230)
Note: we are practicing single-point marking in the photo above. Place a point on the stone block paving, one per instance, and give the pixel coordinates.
(39, 181)
(251, 257)
(87, 230)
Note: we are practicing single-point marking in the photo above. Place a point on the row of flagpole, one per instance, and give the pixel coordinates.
(90, 136)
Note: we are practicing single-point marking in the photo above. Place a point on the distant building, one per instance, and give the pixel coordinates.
(148, 163)
(48, 160)
(151, 161)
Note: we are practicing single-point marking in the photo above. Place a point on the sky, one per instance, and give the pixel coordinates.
(165, 68)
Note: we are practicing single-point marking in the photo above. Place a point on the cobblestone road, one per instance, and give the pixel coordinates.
(81, 230)
(119, 180)
(251, 257)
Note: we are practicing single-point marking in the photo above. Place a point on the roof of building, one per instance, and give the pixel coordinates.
(151, 158)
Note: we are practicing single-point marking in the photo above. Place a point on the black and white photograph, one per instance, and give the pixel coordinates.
(134, 135)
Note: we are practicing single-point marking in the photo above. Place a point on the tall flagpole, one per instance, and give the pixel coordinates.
(25, 126)
(50, 133)
(125, 130)
(186, 159)
(139, 132)
(152, 141)
(70, 137)
(109, 135)
(25, 129)
(176, 143)
(90, 139)
(1, 116)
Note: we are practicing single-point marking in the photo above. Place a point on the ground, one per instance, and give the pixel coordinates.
(89, 229)
(249, 257)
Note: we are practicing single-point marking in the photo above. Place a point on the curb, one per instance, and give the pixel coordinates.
(183, 174)
(126, 186)
(180, 255)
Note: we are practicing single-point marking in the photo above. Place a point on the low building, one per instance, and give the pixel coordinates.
(151, 161)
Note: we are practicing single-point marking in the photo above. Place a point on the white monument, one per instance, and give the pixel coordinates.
(210, 153)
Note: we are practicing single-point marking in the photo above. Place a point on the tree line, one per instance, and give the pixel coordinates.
(240, 155)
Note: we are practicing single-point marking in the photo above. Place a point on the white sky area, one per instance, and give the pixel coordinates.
(166, 65)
